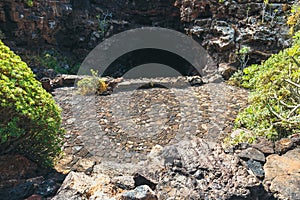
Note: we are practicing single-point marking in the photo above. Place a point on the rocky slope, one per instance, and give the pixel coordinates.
(156, 143)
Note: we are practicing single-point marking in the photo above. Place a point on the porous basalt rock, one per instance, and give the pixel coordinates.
(76, 27)
(223, 27)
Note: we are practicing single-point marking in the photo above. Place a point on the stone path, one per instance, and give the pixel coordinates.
(124, 126)
(164, 142)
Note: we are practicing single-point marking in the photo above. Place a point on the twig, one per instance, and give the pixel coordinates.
(297, 63)
(286, 105)
(296, 107)
(292, 83)
(275, 113)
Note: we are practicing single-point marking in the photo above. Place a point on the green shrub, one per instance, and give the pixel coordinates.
(294, 19)
(91, 85)
(274, 109)
(29, 3)
(30, 120)
(53, 59)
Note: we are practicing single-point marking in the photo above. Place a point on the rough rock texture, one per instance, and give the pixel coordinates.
(185, 167)
(264, 145)
(196, 169)
(76, 27)
(283, 174)
(225, 70)
(12, 166)
(191, 169)
(223, 27)
(80, 186)
(283, 145)
(254, 154)
(194, 166)
(142, 192)
(21, 178)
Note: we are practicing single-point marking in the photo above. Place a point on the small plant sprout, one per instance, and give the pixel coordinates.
(248, 10)
(103, 22)
(266, 2)
(242, 56)
(29, 3)
(273, 15)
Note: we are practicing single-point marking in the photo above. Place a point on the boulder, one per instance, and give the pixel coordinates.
(47, 188)
(123, 182)
(74, 186)
(34, 197)
(283, 145)
(194, 167)
(20, 191)
(226, 70)
(78, 185)
(142, 192)
(264, 145)
(17, 168)
(85, 165)
(195, 80)
(144, 179)
(253, 154)
(256, 168)
(282, 174)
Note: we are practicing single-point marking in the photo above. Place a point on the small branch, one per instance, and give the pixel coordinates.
(262, 53)
(282, 102)
(292, 111)
(295, 93)
(276, 114)
(292, 83)
(297, 63)
(286, 105)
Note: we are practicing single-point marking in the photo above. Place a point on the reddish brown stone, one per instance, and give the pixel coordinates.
(14, 169)
(282, 175)
(264, 145)
(2, 16)
(34, 197)
(283, 145)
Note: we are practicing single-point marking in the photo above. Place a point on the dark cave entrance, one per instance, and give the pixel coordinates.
(139, 57)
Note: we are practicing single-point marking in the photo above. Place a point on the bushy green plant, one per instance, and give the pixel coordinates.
(91, 85)
(243, 57)
(274, 109)
(30, 120)
(241, 135)
(52, 59)
(236, 79)
(294, 18)
(29, 3)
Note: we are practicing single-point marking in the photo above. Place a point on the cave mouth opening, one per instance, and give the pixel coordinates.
(147, 56)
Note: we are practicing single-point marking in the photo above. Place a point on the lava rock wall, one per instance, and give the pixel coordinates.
(223, 27)
(77, 26)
